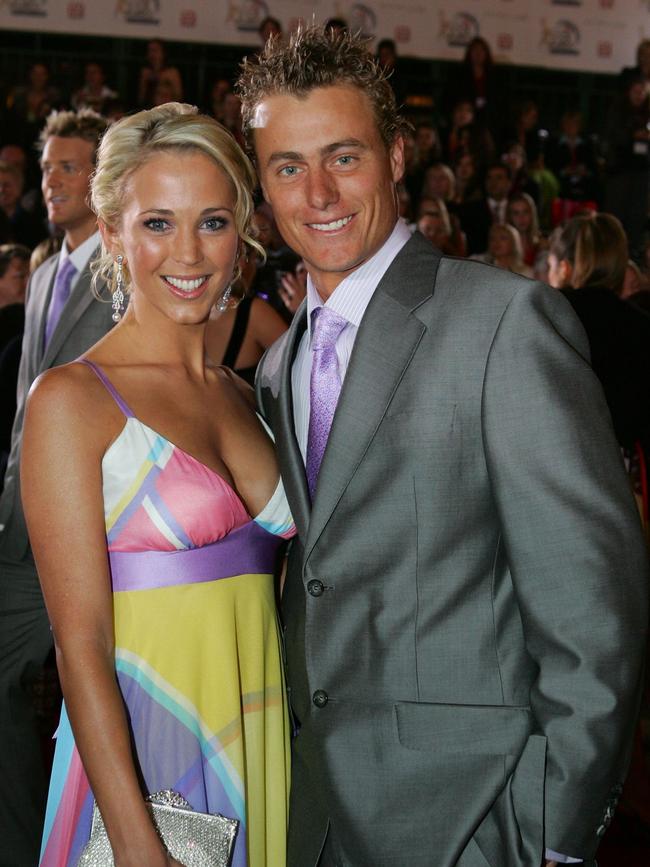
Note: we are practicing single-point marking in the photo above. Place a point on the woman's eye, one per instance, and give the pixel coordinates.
(156, 224)
(213, 224)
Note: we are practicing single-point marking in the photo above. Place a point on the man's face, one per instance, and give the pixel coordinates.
(14, 282)
(10, 190)
(329, 177)
(66, 164)
(497, 183)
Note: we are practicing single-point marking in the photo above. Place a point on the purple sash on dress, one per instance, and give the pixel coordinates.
(250, 549)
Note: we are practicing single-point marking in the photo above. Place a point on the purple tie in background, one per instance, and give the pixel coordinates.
(325, 387)
(60, 295)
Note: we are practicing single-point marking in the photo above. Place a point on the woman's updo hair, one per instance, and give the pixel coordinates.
(131, 141)
(595, 245)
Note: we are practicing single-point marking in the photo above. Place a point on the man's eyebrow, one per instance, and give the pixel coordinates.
(280, 156)
(294, 156)
(345, 143)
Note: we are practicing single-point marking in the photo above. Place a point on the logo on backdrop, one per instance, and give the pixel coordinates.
(247, 15)
(362, 18)
(33, 8)
(562, 38)
(139, 11)
(460, 30)
(76, 10)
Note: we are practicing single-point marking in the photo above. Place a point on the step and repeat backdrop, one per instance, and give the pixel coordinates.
(588, 35)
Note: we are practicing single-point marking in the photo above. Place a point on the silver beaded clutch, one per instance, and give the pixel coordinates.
(194, 839)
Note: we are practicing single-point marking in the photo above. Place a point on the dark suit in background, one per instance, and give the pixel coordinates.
(25, 636)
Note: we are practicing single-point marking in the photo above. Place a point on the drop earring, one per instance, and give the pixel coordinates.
(118, 294)
(224, 302)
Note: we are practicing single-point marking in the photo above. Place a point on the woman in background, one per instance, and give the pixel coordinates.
(156, 564)
(238, 337)
(522, 214)
(587, 261)
(505, 250)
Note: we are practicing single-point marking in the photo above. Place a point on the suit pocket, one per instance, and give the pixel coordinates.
(512, 832)
(462, 728)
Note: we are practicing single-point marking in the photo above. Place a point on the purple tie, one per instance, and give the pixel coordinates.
(325, 386)
(60, 295)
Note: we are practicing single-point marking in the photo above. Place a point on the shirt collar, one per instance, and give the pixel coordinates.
(352, 296)
(81, 254)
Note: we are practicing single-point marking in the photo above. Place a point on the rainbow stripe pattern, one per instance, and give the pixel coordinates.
(198, 656)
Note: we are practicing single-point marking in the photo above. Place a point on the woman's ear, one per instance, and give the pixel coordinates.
(110, 238)
(565, 271)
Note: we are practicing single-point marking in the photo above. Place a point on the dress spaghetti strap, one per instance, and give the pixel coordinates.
(109, 386)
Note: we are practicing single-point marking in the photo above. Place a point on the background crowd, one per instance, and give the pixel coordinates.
(487, 177)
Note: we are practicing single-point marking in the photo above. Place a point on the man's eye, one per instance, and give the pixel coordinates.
(345, 160)
(289, 171)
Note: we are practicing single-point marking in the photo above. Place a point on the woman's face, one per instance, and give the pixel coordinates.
(177, 235)
(478, 53)
(436, 183)
(432, 226)
(155, 54)
(463, 114)
(465, 168)
(520, 216)
(555, 272)
(500, 246)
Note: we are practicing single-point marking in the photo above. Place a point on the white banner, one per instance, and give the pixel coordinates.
(590, 35)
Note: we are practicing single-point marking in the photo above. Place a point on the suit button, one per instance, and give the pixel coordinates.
(320, 698)
(315, 588)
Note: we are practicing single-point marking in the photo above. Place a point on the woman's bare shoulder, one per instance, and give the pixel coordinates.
(71, 400)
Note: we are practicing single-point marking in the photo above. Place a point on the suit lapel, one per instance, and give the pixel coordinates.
(41, 306)
(290, 458)
(388, 337)
(80, 299)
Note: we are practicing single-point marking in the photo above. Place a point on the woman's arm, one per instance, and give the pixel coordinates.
(65, 436)
(265, 324)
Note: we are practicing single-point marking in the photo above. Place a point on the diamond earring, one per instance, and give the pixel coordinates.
(224, 302)
(118, 294)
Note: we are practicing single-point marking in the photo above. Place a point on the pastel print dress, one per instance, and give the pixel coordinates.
(198, 655)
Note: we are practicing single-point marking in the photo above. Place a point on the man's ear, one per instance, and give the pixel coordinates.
(396, 155)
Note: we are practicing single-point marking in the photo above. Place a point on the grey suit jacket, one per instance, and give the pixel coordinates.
(466, 603)
(84, 320)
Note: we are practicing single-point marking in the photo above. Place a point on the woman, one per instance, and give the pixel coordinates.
(504, 250)
(587, 260)
(522, 214)
(156, 76)
(438, 226)
(155, 453)
(238, 337)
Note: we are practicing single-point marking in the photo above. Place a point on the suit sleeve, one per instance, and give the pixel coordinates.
(576, 554)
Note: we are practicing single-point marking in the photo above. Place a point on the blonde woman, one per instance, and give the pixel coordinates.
(522, 214)
(152, 497)
(505, 250)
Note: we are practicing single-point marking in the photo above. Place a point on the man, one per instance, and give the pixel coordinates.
(476, 217)
(22, 227)
(465, 606)
(62, 319)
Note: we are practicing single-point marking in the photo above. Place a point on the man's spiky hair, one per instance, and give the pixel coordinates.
(314, 57)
